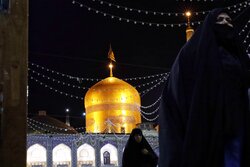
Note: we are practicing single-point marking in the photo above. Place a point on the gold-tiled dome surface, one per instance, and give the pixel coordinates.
(112, 105)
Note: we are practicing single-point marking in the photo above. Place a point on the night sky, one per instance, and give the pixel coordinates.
(73, 40)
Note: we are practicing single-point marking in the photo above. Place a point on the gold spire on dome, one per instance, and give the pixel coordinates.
(188, 14)
(110, 68)
(189, 29)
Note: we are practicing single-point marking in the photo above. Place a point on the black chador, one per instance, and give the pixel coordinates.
(138, 152)
(204, 116)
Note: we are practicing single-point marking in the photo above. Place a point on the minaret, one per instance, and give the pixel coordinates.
(189, 29)
(67, 122)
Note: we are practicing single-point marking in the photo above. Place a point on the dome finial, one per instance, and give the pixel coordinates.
(110, 68)
(189, 29)
(111, 56)
(188, 15)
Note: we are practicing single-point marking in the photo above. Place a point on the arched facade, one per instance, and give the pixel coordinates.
(75, 150)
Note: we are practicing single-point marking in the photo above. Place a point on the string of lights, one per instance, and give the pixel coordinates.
(153, 104)
(244, 28)
(247, 51)
(34, 128)
(62, 74)
(148, 83)
(141, 11)
(143, 23)
(82, 87)
(46, 125)
(80, 4)
(247, 37)
(57, 81)
(143, 93)
(108, 122)
(80, 128)
(93, 79)
(90, 136)
(242, 5)
(246, 40)
(146, 12)
(150, 113)
(195, 0)
(81, 98)
(39, 129)
(150, 119)
(56, 90)
(146, 77)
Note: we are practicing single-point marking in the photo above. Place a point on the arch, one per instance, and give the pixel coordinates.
(85, 155)
(61, 156)
(110, 150)
(36, 155)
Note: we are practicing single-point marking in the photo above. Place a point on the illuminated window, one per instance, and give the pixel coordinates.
(61, 156)
(36, 156)
(106, 158)
(85, 155)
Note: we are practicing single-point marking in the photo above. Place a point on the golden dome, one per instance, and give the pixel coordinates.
(112, 105)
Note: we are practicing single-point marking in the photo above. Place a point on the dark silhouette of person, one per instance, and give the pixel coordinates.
(138, 152)
(204, 115)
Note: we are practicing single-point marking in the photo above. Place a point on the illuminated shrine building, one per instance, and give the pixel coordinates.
(112, 106)
(51, 143)
(112, 110)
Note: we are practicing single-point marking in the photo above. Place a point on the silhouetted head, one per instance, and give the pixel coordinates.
(136, 135)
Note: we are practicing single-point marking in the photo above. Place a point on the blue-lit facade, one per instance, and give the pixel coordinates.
(80, 150)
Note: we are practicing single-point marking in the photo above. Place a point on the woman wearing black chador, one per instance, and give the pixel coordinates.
(204, 116)
(138, 152)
